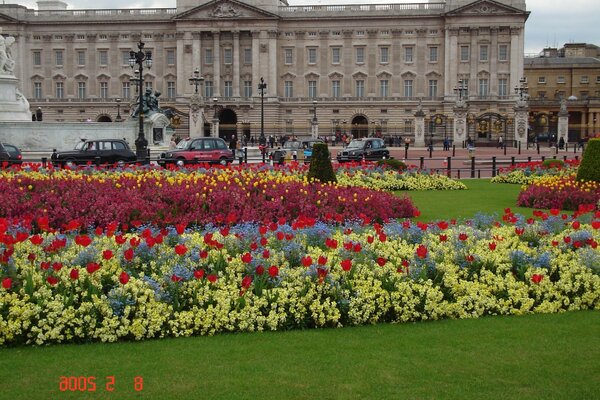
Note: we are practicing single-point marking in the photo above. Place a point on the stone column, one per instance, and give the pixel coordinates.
(521, 121)
(516, 57)
(272, 75)
(181, 78)
(236, 64)
(255, 61)
(196, 116)
(460, 123)
(419, 127)
(563, 124)
(217, 64)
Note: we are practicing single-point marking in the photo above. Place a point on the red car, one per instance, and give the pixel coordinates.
(198, 150)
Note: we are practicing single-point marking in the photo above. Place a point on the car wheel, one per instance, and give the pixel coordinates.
(69, 163)
(180, 162)
(223, 161)
(121, 163)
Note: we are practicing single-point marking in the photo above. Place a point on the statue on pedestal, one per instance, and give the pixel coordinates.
(7, 63)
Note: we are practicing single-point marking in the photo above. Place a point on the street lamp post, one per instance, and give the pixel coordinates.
(315, 121)
(521, 89)
(262, 86)
(215, 118)
(196, 80)
(140, 58)
(461, 89)
(118, 119)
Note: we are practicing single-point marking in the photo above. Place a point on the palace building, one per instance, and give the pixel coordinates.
(360, 69)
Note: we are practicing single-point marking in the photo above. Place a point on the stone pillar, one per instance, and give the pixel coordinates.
(217, 64)
(563, 125)
(419, 127)
(314, 129)
(255, 61)
(196, 57)
(460, 124)
(236, 64)
(521, 121)
(272, 62)
(196, 116)
(181, 76)
(215, 128)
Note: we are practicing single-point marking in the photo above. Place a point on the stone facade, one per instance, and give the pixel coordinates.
(368, 66)
(571, 74)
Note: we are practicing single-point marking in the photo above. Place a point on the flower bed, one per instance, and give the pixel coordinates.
(526, 173)
(107, 286)
(197, 197)
(560, 192)
(385, 179)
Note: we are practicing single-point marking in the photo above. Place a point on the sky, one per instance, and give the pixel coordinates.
(552, 23)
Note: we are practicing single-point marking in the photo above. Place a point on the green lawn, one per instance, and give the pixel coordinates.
(482, 196)
(527, 357)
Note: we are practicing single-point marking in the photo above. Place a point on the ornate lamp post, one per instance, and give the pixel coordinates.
(262, 86)
(521, 89)
(140, 58)
(196, 80)
(315, 121)
(118, 119)
(215, 118)
(461, 89)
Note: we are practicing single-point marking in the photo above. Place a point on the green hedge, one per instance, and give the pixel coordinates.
(589, 169)
(392, 163)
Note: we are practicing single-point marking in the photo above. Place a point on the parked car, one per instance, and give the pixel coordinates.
(198, 150)
(368, 149)
(10, 155)
(287, 150)
(105, 151)
(307, 145)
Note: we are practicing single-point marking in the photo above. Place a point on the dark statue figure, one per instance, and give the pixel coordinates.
(150, 105)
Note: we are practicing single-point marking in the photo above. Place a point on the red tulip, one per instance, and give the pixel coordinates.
(180, 249)
(128, 254)
(322, 260)
(52, 280)
(199, 273)
(346, 265)
(92, 267)
(107, 254)
(381, 261)
(443, 238)
(212, 278)
(463, 236)
(492, 246)
(307, 261)
(124, 278)
(536, 278)
(176, 278)
(247, 281)
(273, 271)
(260, 270)
(246, 258)
(6, 283)
(421, 251)
(74, 274)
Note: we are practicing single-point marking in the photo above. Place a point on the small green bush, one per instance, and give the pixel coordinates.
(553, 163)
(589, 169)
(392, 163)
(320, 164)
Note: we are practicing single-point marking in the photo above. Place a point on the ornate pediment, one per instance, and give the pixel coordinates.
(485, 7)
(224, 9)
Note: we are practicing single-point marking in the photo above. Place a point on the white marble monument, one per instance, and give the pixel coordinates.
(13, 104)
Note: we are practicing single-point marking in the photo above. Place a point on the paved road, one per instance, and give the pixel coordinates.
(460, 158)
